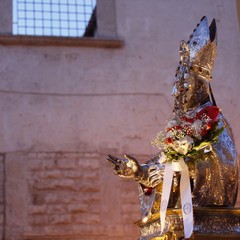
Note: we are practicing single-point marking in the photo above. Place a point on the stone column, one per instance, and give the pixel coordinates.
(6, 17)
(106, 19)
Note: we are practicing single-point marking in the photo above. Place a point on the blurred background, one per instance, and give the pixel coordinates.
(83, 79)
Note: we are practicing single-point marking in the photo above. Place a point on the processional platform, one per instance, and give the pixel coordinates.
(209, 223)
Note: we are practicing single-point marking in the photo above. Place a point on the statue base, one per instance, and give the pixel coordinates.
(209, 223)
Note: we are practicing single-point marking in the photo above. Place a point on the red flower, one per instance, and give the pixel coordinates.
(207, 127)
(168, 140)
(185, 119)
(211, 111)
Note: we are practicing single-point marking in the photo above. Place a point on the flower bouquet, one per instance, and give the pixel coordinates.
(186, 136)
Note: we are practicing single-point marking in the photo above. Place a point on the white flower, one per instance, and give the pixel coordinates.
(169, 134)
(197, 127)
(183, 145)
(171, 124)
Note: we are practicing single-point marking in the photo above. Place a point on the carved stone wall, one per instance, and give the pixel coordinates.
(63, 196)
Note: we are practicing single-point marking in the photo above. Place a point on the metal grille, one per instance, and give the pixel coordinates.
(68, 18)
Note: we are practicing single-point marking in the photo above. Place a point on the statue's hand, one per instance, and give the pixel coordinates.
(128, 167)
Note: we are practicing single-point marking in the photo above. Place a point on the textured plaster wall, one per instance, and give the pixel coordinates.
(65, 108)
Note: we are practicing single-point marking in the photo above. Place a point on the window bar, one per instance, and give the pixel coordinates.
(68, 18)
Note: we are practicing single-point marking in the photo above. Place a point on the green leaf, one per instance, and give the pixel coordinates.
(217, 133)
(201, 146)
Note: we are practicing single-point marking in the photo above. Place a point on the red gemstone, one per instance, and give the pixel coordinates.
(148, 191)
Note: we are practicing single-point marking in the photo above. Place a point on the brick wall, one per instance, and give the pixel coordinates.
(64, 191)
(66, 196)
